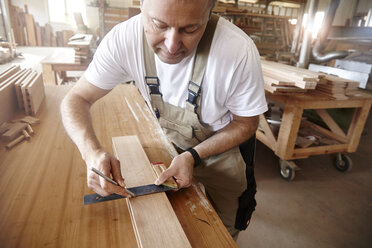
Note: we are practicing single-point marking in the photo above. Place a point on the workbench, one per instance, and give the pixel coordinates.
(43, 181)
(292, 121)
(59, 62)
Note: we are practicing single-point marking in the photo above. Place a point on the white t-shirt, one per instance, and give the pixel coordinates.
(232, 83)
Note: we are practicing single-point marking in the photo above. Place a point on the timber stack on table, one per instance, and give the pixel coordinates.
(46, 196)
(81, 43)
(58, 63)
(291, 136)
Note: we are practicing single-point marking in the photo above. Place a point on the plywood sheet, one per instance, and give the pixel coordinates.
(154, 221)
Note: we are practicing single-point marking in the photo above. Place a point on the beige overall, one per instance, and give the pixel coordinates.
(222, 175)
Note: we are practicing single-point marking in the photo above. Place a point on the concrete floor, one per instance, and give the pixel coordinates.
(322, 207)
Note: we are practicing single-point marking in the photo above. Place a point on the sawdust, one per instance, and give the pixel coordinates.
(131, 109)
(140, 109)
(203, 199)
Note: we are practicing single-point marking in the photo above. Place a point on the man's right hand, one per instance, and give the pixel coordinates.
(108, 165)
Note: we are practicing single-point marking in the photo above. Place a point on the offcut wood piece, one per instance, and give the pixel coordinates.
(154, 221)
(5, 127)
(35, 94)
(8, 98)
(28, 119)
(16, 141)
(25, 133)
(14, 131)
(29, 129)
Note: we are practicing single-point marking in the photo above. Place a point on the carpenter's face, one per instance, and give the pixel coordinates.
(174, 28)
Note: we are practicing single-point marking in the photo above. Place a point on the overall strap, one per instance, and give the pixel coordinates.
(201, 59)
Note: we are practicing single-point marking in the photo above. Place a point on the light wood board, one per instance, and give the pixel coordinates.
(35, 94)
(154, 221)
(8, 98)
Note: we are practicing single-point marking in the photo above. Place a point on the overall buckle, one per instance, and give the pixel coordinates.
(193, 92)
(153, 85)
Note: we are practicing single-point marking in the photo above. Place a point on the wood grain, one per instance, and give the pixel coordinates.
(154, 221)
(42, 182)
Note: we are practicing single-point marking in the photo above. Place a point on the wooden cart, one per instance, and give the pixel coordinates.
(284, 142)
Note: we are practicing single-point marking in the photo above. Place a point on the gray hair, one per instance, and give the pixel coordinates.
(212, 4)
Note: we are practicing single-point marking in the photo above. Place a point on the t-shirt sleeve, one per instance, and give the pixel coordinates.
(107, 68)
(246, 94)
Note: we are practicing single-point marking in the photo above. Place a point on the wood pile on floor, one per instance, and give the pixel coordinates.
(285, 79)
(18, 130)
(20, 89)
(81, 43)
(27, 32)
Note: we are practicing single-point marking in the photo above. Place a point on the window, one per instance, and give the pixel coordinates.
(62, 11)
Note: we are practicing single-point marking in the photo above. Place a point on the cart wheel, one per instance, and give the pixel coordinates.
(343, 162)
(287, 169)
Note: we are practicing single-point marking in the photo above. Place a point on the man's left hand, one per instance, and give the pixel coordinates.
(181, 169)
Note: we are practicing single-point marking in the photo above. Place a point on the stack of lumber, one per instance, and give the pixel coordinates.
(81, 43)
(280, 78)
(27, 32)
(20, 89)
(18, 130)
(285, 79)
(336, 87)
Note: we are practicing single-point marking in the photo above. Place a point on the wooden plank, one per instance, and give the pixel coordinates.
(14, 131)
(39, 41)
(27, 81)
(35, 93)
(49, 76)
(154, 221)
(8, 98)
(291, 120)
(8, 73)
(357, 125)
(325, 131)
(18, 89)
(267, 130)
(330, 122)
(31, 34)
(318, 150)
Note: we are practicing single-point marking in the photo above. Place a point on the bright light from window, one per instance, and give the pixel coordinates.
(304, 21)
(292, 21)
(75, 6)
(57, 10)
(62, 11)
(318, 21)
(317, 24)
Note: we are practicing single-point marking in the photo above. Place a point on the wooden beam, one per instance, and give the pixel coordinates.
(324, 115)
(154, 222)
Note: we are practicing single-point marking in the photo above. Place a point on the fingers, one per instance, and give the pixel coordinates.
(116, 172)
(104, 188)
(164, 176)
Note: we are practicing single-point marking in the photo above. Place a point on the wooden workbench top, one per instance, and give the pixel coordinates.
(43, 181)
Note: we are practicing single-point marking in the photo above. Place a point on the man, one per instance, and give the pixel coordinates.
(209, 111)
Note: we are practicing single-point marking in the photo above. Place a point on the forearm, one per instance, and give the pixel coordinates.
(235, 133)
(77, 122)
